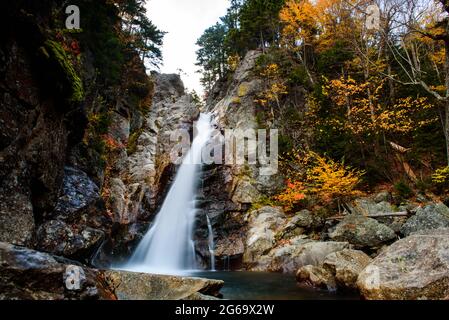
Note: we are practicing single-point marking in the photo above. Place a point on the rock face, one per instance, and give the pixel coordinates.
(430, 217)
(362, 232)
(78, 193)
(32, 275)
(33, 137)
(416, 267)
(61, 239)
(142, 175)
(148, 169)
(231, 188)
(261, 234)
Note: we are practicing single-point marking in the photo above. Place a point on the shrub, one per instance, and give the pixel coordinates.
(403, 190)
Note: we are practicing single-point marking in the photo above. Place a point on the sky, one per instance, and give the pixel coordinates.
(185, 21)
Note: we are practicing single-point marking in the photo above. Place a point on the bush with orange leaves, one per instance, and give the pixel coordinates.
(310, 174)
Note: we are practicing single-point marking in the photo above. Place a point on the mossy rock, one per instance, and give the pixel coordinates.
(53, 50)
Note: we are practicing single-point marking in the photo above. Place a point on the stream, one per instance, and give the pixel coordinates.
(246, 285)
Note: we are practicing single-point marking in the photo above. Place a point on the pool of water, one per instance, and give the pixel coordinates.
(244, 285)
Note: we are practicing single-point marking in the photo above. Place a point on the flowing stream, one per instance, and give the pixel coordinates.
(167, 247)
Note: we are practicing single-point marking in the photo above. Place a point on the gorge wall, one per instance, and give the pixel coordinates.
(83, 157)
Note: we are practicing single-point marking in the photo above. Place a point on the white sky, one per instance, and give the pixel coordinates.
(185, 21)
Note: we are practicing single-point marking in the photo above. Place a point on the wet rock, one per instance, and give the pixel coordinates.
(416, 267)
(59, 238)
(362, 232)
(78, 193)
(26, 274)
(346, 265)
(31, 275)
(317, 277)
(140, 286)
(433, 216)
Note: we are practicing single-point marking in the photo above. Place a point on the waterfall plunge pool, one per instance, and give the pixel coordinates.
(248, 285)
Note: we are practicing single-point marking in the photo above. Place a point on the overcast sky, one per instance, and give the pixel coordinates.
(185, 21)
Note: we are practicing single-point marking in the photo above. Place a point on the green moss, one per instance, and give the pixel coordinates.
(132, 141)
(263, 201)
(55, 51)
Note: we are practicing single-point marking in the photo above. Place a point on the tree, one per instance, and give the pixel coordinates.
(418, 39)
(310, 174)
(138, 32)
(211, 56)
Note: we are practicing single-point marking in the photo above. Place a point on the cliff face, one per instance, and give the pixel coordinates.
(143, 173)
(231, 189)
(83, 153)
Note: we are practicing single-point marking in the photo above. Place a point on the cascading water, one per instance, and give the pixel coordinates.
(168, 245)
(211, 244)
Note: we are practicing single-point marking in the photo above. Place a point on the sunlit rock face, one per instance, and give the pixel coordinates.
(141, 177)
(229, 190)
(416, 267)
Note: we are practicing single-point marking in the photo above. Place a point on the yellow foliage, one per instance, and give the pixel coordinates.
(233, 62)
(274, 88)
(365, 114)
(311, 174)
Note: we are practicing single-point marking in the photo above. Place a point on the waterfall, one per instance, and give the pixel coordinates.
(211, 244)
(168, 245)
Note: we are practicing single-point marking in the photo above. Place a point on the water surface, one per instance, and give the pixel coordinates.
(245, 285)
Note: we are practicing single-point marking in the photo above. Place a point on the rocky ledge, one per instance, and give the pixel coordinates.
(33, 275)
(375, 249)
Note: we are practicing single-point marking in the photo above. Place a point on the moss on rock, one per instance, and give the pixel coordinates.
(55, 51)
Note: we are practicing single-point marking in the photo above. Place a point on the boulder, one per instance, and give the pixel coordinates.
(78, 193)
(433, 216)
(59, 238)
(346, 265)
(263, 224)
(142, 286)
(301, 252)
(362, 232)
(299, 224)
(416, 267)
(27, 274)
(368, 206)
(317, 277)
(383, 196)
